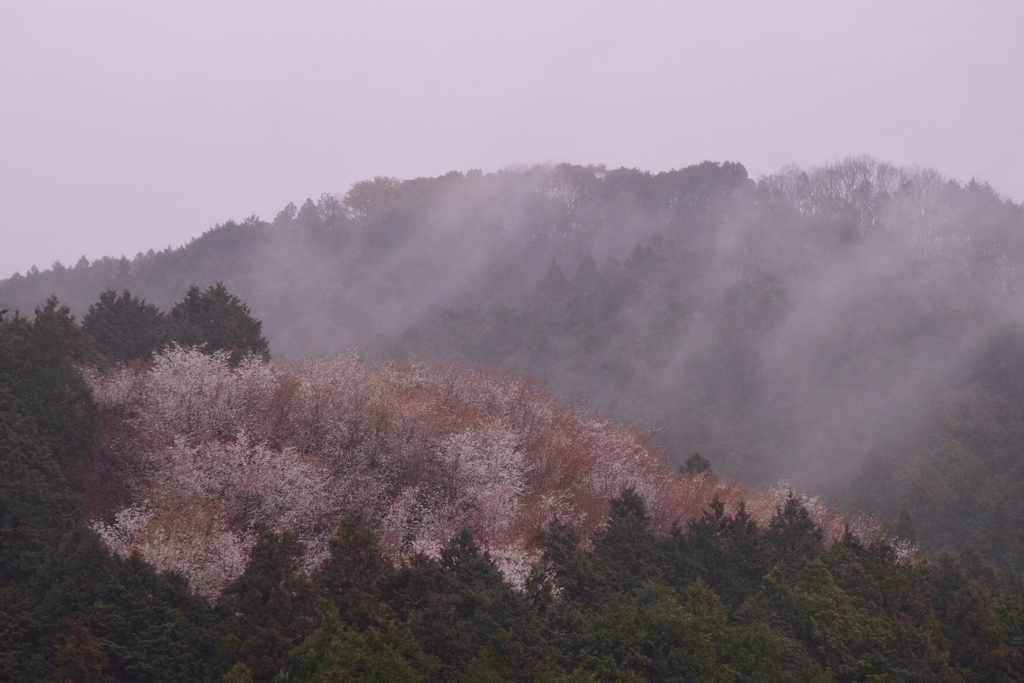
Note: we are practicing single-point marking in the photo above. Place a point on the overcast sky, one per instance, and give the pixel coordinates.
(129, 125)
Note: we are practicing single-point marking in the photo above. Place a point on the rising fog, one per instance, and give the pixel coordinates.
(801, 326)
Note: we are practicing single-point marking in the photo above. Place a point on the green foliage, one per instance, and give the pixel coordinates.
(792, 531)
(792, 609)
(218, 321)
(84, 611)
(36, 505)
(37, 369)
(564, 566)
(68, 609)
(730, 553)
(977, 645)
(961, 488)
(268, 610)
(722, 600)
(125, 327)
(625, 552)
(82, 657)
(349, 582)
(337, 652)
(468, 620)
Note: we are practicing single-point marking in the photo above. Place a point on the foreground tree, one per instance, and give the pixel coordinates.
(218, 321)
(125, 327)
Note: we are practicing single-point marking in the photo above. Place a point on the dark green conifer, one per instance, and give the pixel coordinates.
(218, 321)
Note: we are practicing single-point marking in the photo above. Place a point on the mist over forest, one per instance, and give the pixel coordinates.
(552, 423)
(832, 326)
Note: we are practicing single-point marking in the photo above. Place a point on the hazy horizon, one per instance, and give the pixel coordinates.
(132, 127)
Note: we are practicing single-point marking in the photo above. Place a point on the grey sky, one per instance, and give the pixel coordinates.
(127, 125)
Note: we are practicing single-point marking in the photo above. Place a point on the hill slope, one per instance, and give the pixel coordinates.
(837, 326)
(199, 459)
(220, 469)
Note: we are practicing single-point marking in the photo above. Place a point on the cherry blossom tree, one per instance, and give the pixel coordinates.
(216, 453)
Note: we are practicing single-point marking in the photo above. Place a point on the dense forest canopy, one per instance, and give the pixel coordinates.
(175, 505)
(717, 596)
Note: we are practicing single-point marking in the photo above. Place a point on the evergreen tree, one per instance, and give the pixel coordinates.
(268, 610)
(36, 504)
(350, 581)
(218, 321)
(793, 532)
(37, 368)
(905, 525)
(125, 327)
(625, 552)
(730, 553)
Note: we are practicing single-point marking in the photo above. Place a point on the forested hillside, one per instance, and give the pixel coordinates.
(853, 328)
(170, 511)
(198, 458)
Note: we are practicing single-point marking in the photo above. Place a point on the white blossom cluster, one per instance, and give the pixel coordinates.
(213, 455)
(834, 523)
